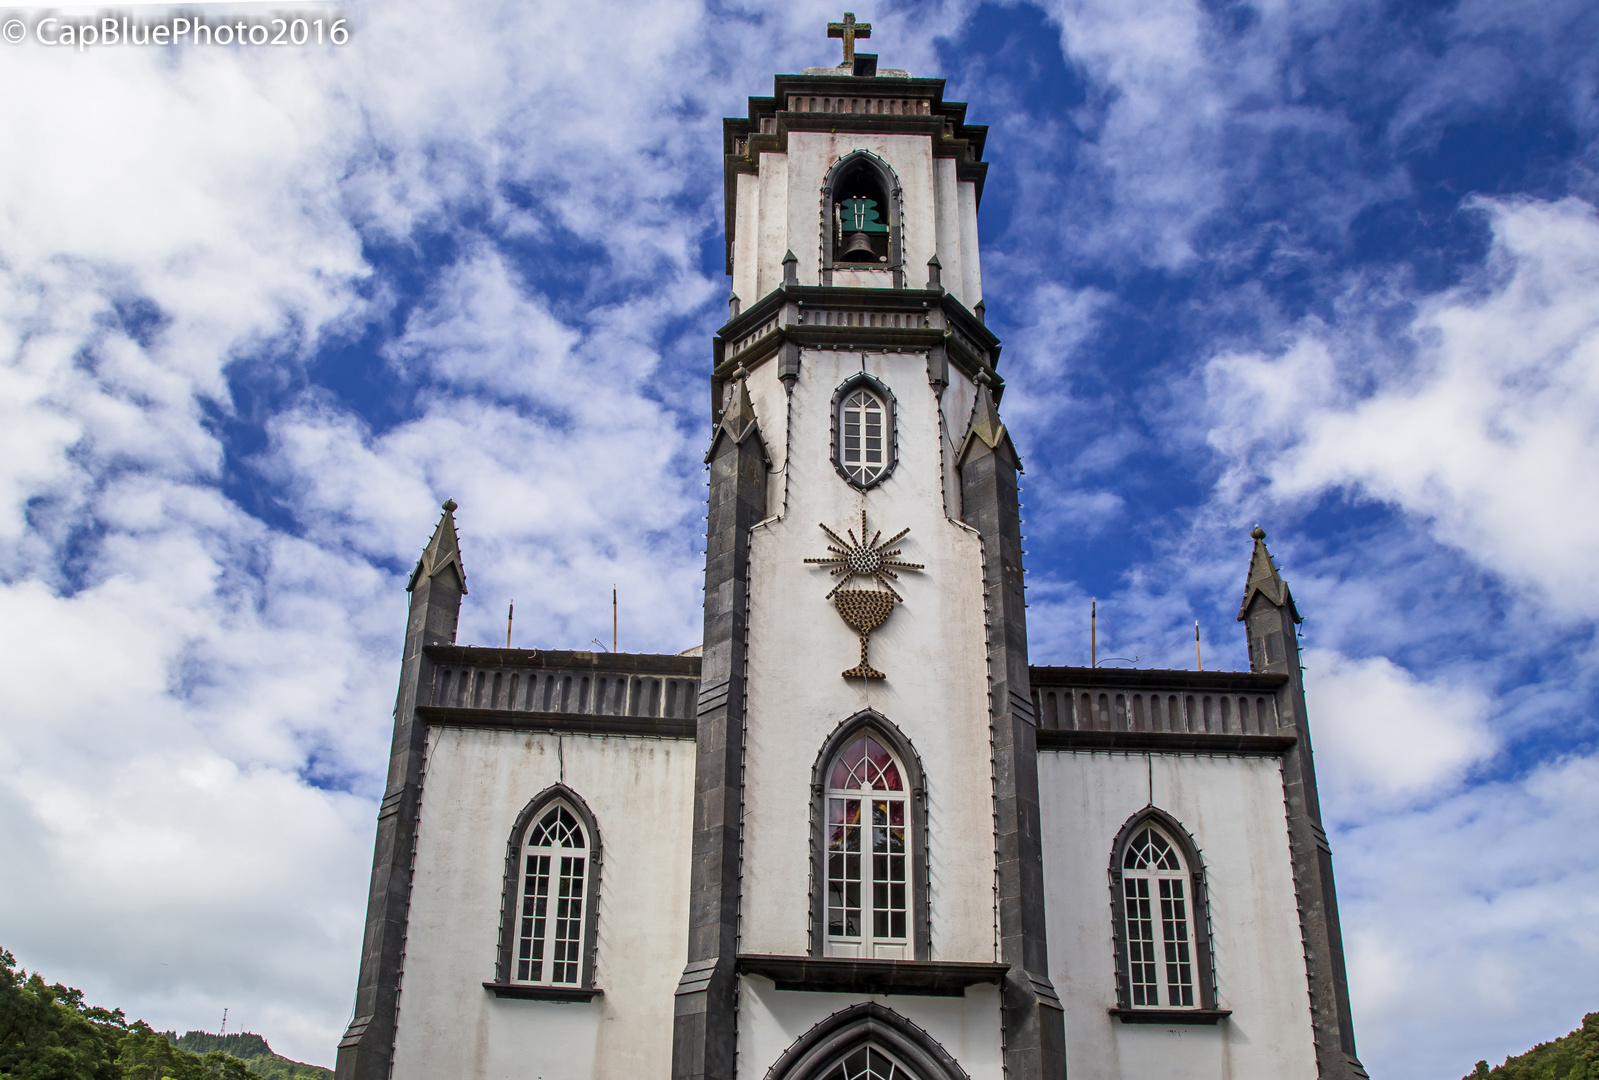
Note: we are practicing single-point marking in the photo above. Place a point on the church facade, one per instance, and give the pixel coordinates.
(855, 835)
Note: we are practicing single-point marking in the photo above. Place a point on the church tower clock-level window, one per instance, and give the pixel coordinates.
(861, 448)
(863, 421)
(554, 898)
(868, 853)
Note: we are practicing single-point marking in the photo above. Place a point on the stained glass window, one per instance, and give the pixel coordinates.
(862, 450)
(868, 888)
(1159, 952)
(554, 884)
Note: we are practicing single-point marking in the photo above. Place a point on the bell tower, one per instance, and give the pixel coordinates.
(866, 817)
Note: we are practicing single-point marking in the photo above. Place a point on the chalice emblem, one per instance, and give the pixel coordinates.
(864, 610)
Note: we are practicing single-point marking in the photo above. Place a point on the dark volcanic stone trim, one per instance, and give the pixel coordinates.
(566, 994)
(1035, 1035)
(566, 723)
(1171, 1016)
(704, 1023)
(816, 1054)
(511, 896)
(869, 721)
(1319, 927)
(1147, 679)
(1168, 742)
(847, 975)
(367, 1049)
(563, 660)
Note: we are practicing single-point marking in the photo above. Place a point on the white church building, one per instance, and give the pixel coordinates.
(856, 835)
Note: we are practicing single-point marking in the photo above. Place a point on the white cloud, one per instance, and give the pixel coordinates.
(1479, 420)
(1386, 736)
(1469, 924)
(189, 762)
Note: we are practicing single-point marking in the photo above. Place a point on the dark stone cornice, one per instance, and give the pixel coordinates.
(567, 660)
(758, 332)
(1170, 742)
(528, 992)
(848, 975)
(1170, 1016)
(1155, 679)
(566, 723)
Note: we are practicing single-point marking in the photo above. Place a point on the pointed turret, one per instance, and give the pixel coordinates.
(1034, 1021)
(738, 419)
(1265, 580)
(1269, 612)
(1270, 619)
(705, 1035)
(436, 587)
(986, 427)
(442, 555)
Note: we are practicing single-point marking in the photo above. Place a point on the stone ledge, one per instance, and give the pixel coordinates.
(1171, 1016)
(1146, 679)
(1171, 742)
(842, 974)
(530, 992)
(567, 723)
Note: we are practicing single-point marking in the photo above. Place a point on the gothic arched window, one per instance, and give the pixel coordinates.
(867, 1041)
(869, 1063)
(549, 947)
(552, 879)
(1160, 936)
(868, 853)
(1162, 933)
(863, 423)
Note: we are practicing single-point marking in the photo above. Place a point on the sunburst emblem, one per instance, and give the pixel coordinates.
(864, 610)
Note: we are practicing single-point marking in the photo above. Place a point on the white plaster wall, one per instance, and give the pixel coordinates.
(959, 397)
(747, 231)
(948, 227)
(932, 649)
(1233, 808)
(775, 239)
(769, 1021)
(781, 206)
(476, 783)
(970, 272)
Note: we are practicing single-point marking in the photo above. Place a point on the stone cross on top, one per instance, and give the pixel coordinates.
(849, 30)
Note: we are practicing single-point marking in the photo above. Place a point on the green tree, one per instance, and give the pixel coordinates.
(145, 1054)
(1570, 1057)
(48, 1033)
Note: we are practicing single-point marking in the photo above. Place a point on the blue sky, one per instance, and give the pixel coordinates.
(1329, 267)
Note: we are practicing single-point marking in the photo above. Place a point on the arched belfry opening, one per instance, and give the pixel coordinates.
(862, 226)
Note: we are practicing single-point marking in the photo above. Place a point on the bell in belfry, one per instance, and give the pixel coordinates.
(858, 248)
(857, 217)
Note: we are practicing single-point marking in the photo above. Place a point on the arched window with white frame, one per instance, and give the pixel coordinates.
(861, 448)
(1162, 941)
(868, 853)
(863, 423)
(549, 947)
(552, 880)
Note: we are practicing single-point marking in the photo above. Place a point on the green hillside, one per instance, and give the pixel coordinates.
(254, 1052)
(48, 1032)
(1572, 1057)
